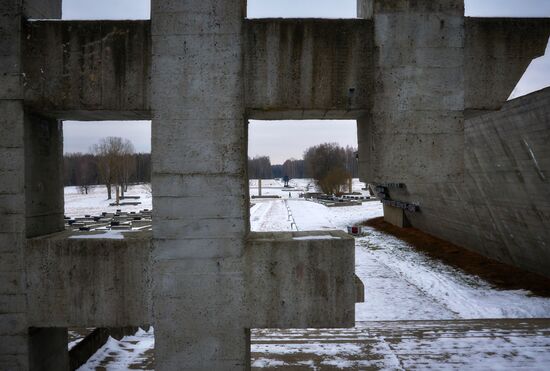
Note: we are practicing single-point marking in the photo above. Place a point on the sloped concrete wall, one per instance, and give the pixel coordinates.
(502, 210)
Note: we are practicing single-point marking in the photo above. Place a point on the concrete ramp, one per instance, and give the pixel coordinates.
(407, 345)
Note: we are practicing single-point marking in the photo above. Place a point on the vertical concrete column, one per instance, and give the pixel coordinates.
(364, 143)
(365, 9)
(14, 339)
(199, 185)
(48, 349)
(13, 321)
(418, 124)
(43, 175)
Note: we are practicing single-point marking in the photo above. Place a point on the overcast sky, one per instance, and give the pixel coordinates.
(281, 140)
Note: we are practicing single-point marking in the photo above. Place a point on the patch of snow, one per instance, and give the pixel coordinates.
(109, 235)
(306, 238)
(128, 353)
(95, 202)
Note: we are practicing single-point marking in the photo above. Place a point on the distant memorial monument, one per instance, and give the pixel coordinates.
(286, 179)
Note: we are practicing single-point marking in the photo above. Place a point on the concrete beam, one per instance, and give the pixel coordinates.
(42, 9)
(308, 68)
(301, 279)
(88, 70)
(497, 54)
(298, 280)
(88, 282)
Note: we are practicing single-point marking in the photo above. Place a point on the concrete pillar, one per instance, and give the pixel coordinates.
(418, 121)
(48, 349)
(199, 186)
(364, 141)
(396, 216)
(43, 175)
(365, 9)
(13, 322)
(14, 343)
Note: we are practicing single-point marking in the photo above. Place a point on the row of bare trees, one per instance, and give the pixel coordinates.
(113, 163)
(328, 163)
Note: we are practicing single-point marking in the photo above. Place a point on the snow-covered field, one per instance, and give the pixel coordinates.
(96, 202)
(400, 283)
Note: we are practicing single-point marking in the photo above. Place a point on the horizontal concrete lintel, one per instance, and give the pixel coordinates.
(305, 114)
(294, 279)
(94, 115)
(88, 70)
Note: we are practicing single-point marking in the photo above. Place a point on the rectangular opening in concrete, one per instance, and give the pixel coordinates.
(302, 9)
(106, 9)
(94, 154)
(107, 170)
(285, 157)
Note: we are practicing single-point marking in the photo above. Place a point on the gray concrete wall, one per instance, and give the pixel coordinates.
(48, 349)
(497, 54)
(416, 133)
(199, 143)
(88, 70)
(14, 342)
(89, 282)
(13, 322)
(42, 9)
(365, 9)
(502, 210)
(296, 282)
(43, 175)
(308, 68)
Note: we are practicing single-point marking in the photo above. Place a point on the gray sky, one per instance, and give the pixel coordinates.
(267, 138)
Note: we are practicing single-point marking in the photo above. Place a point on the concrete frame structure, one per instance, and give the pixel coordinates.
(407, 70)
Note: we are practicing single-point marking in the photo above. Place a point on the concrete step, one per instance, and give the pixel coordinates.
(406, 345)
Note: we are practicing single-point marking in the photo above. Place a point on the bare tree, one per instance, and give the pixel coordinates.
(326, 163)
(113, 165)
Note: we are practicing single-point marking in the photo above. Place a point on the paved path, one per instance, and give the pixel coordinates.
(408, 345)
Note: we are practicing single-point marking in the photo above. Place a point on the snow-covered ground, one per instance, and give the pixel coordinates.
(400, 283)
(96, 202)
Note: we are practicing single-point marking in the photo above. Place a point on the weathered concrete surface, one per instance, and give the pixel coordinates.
(88, 70)
(42, 9)
(301, 279)
(502, 210)
(497, 53)
(416, 133)
(409, 345)
(198, 140)
(365, 9)
(308, 69)
(396, 216)
(88, 282)
(43, 175)
(14, 337)
(48, 349)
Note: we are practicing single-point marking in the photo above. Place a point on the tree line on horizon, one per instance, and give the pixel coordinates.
(260, 167)
(111, 163)
(329, 164)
